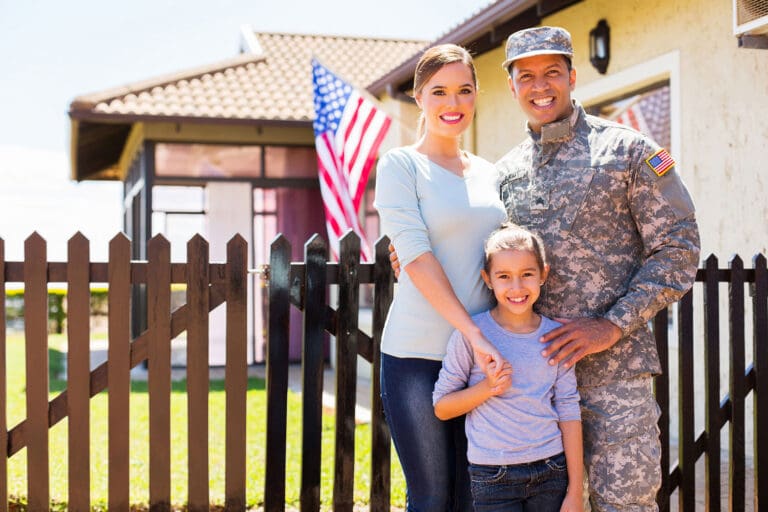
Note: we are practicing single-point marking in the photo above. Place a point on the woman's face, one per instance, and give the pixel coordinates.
(448, 100)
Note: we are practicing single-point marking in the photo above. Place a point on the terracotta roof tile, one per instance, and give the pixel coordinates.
(273, 85)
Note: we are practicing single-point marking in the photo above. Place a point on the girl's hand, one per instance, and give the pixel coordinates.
(394, 261)
(502, 380)
(485, 354)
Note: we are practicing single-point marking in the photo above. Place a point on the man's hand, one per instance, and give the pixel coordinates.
(578, 338)
(394, 261)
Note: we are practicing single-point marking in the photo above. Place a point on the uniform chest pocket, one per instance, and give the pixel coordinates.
(515, 195)
(569, 194)
(602, 205)
(547, 204)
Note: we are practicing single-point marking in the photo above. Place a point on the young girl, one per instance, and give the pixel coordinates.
(523, 425)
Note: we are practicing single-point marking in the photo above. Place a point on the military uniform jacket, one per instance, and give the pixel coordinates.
(622, 240)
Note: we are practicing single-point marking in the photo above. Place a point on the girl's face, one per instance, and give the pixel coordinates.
(448, 100)
(516, 279)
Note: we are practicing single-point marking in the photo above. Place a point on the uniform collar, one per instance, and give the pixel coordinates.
(558, 131)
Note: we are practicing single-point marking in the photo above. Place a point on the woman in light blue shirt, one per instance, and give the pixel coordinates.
(437, 204)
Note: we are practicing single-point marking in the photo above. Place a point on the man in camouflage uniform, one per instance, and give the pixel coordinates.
(620, 230)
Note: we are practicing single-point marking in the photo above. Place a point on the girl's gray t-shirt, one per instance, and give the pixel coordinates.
(521, 424)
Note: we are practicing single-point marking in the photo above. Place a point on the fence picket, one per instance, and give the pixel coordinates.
(198, 380)
(159, 372)
(712, 390)
(78, 371)
(315, 256)
(738, 385)
(236, 378)
(380, 438)
(760, 396)
(346, 371)
(119, 371)
(277, 373)
(686, 444)
(36, 334)
(3, 391)
(661, 388)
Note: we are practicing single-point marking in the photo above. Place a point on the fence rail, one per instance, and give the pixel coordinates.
(304, 285)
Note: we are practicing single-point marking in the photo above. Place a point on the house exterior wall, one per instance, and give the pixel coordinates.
(719, 104)
(722, 95)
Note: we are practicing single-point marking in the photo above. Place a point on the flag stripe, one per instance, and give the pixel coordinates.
(335, 183)
(365, 171)
(373, 128)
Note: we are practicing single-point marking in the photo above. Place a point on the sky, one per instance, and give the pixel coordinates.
(52, 51)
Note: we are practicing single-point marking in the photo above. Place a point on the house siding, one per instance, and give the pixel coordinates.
(722, 94)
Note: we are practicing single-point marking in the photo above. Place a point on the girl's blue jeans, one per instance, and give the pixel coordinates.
(538, 486)
(432, 453)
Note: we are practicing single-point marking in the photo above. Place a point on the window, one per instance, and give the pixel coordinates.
(646, 110)
(290, 162)
(661, 72)
(178, 213)
(208, 161)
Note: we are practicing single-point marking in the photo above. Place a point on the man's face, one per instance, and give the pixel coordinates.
(542, 86)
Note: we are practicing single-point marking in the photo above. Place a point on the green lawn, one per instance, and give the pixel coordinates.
(256, 440)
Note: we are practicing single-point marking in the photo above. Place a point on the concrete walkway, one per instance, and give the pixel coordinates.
(363, 399)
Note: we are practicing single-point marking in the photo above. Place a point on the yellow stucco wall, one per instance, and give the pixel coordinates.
(722, 97)
(723, 105)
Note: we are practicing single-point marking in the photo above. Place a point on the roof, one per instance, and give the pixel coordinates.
(274, 84)
(271, 85)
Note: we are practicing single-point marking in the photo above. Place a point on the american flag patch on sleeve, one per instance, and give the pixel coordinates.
(660, 162)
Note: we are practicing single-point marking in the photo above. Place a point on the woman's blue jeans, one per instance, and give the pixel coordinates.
(433, 453)
(534, 487)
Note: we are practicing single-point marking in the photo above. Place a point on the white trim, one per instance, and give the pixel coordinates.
(135, 190)
(249, 41)
(663, 67)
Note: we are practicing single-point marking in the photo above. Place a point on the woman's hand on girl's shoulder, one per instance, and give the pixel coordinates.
(485, 354)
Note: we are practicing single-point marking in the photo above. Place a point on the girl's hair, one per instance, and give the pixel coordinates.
(432, 60)
(512, 236)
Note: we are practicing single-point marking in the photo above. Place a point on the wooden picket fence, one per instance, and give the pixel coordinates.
(304, 285)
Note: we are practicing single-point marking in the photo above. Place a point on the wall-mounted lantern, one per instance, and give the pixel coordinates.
(600, 46)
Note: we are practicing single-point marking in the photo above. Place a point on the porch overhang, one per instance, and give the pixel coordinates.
(99, 141)
(485, 31)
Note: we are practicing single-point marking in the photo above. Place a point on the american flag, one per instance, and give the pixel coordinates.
(633, 116)
(348, 132)
(648, 113)
(661, 162)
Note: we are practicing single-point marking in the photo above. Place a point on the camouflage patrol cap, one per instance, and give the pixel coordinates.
(537, 41)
